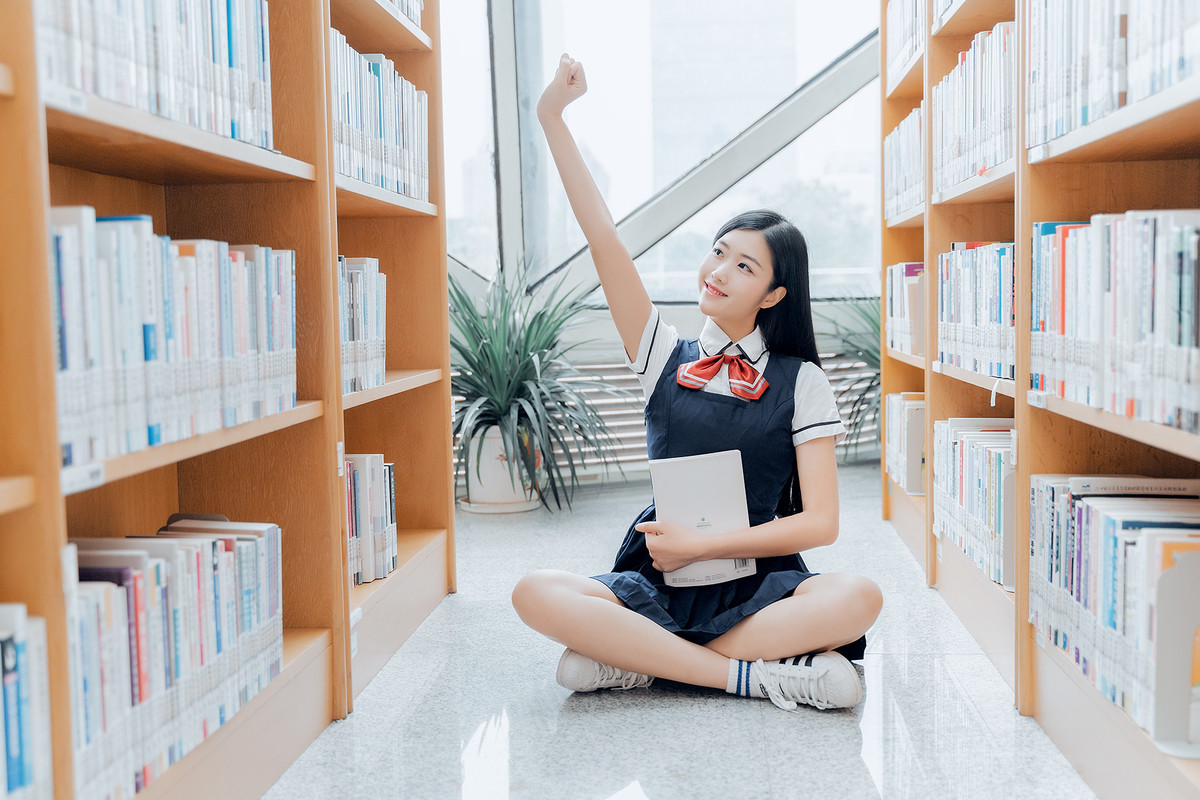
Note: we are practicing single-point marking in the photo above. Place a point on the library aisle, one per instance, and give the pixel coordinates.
(468, 707)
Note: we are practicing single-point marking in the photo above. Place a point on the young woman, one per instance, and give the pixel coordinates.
(751, 382)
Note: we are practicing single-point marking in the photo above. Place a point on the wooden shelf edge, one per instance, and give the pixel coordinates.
(913, 218)
(1172, 440)
(908, 78)
(395, 382)
(1100, 740)
(1175, 109)
(357, 198)
(114, 469)
(908, 518)
(971, 16)
(16, 493)
(7, 88)
(377, 26)
(985, 608)
(995, 185)
(990, 383)
(414, 546)
(100, 135)
(288, 706)
(906, 358)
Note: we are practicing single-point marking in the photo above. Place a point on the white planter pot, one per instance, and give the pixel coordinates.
(490, 487)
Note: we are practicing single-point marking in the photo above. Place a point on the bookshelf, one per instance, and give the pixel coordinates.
(1142, 156)
(70, 148)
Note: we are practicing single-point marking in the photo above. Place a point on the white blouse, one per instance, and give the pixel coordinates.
(816, 412)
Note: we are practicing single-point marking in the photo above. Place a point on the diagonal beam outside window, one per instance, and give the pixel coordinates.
(651, 222)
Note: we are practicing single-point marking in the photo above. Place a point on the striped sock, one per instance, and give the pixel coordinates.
(739, 679)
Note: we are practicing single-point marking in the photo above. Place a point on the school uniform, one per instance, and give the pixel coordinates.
(687, 416)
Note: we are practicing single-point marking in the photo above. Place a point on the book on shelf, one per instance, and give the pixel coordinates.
(1114, 316)
(974, 504)
(972, 120)
(1098, 545)
(905, 440)
(380, 122)
(173, 635)
(362, 296)
(705, 493)
(976, 309)
(904, 295)
(903, 165)
(159, 340)
(905, 34)
(206, 64)
(25, 768)
(371, 515)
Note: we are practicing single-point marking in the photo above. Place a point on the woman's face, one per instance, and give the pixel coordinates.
(735, 279)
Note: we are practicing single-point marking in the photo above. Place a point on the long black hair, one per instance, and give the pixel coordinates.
(787, 326)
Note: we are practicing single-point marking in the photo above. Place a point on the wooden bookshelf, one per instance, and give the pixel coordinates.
(906, 358)
(356, 198)
(395, 381)
(906, 83)
(1145, 155)
(995, 185)
(16, 493)
(101, 136)
(75, 149)
(392, 608)
(1002, 386)
(966, 17)
(913, 218)
(986, 610)
(909, 519)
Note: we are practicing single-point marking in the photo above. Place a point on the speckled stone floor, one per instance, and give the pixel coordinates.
(468, 708)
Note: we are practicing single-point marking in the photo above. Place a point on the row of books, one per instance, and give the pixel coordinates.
(410, 8)
(158, 340)
(168, 637)
(904, 437)
(905, 33)
(362, 313)
(904, 317)
(972, 121)
(370, 517)
(1088, 59)
(975, 308)
(26, 770)
(380, 122)
(903, 172)
(205, 63)
(1115, 315)
(1098, 546)
(973, 492)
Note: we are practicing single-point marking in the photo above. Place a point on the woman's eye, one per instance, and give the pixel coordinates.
(716, 251)
(744, 266)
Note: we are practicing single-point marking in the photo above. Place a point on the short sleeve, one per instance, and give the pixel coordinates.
(657, 343)
(816, 412)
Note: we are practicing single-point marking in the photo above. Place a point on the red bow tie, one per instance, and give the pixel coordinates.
(744, 380)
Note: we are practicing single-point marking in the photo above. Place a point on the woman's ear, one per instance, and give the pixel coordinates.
(773, 297)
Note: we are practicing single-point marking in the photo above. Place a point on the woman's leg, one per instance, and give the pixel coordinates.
(824, 612)
(584, 614)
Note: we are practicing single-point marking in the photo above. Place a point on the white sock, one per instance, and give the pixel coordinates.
(739, 681)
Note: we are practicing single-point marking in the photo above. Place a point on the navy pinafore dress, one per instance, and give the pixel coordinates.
(685, 422)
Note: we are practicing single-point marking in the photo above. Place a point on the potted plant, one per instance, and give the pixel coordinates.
(523, 420)
(854, 328)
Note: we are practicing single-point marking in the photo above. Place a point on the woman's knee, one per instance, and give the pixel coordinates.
(867, 595)
(533, 590)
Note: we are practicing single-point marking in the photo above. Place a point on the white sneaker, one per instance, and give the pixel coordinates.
(579, 673)
(823, 680)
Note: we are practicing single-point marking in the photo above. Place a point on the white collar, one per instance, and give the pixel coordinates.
(713, 340)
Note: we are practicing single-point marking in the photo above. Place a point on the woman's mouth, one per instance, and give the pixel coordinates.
(714, 291)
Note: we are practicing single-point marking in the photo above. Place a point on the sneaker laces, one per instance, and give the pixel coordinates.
(803, 684)
(628, 679)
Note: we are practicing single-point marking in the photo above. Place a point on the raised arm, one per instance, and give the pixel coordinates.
(627, 299)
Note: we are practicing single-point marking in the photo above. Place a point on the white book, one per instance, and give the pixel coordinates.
(707, 494)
